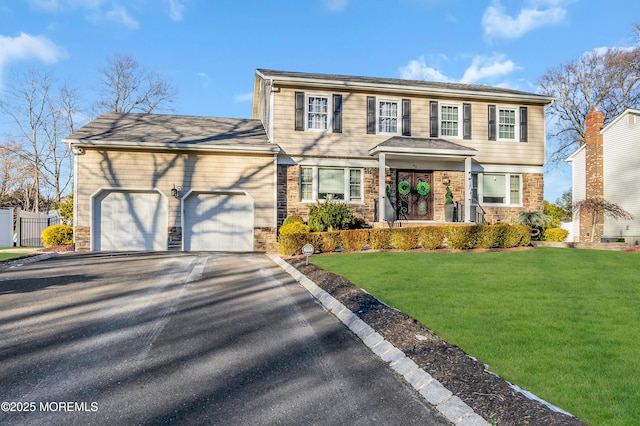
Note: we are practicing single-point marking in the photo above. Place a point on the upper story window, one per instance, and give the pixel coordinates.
(449, 120)
(318, 112)
(508, 123)
(388, 116)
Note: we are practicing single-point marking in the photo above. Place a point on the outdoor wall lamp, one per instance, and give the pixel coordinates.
(445, 179)
(175, 191)
(387, 177)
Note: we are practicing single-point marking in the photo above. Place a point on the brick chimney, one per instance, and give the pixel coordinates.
(594, 173)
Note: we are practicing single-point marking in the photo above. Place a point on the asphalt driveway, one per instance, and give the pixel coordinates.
(197, 338)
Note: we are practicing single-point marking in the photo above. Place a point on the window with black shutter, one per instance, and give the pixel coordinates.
(433, 119)
(524, 136)
(337, 113)
(492, 122)
(466, 121)
(406, 117)
(371, 115)
(299, 111)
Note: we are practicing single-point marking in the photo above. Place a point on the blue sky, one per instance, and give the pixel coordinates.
(208, 50)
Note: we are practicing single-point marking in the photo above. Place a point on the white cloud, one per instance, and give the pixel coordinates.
(417, 69)
(497, 23)
(26, 47)
(486, 67)
(175, 10)
(336, 5)
(244, 97)
(120, 15)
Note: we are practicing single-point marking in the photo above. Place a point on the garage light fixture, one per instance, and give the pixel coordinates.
(175, 191)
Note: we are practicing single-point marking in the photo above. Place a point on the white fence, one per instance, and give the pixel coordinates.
(6, 228)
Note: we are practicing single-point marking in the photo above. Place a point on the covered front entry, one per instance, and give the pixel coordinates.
(218, 222)
(415, 197)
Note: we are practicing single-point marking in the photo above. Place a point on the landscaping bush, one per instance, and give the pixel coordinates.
(332, 216)
(461, 236)
(292, 237)
(489, 236)
(330, 241)
(380, 238)
(404, 238)
(431, 237)
(537, 221)
(57, 235)
(516, 236)
(292, 219)
(354, 239)
(555, 234)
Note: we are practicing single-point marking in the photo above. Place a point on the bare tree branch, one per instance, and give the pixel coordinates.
(126, 87)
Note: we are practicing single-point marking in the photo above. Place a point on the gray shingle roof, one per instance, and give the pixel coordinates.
(422, 146)
(171, 130)
(426, 86)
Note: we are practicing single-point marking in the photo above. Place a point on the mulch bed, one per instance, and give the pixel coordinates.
(490, 396)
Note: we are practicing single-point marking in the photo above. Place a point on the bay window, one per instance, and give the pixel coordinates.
(497, 188)
(321, 183)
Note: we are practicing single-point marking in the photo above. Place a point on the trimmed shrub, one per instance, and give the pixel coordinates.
(380, 238)
(354, 239)
(315, 239)
(489, 236)
(332, 216)
(555, 235)
(292, 219)
(57, 235)
(292, 237)
(431, 237)
(461, 237)
(516, 236)
(536, 220)
(330, 241)
(404, 238)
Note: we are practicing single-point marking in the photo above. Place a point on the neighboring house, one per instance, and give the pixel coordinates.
(608, 166)
(311, 137)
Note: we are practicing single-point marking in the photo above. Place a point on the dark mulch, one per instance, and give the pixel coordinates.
(490, 396)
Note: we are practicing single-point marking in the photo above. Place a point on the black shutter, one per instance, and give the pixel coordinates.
(406, 117)
(433, 119)
(466, 121)
(492, 122)
(371, 115)
(524, 135)
(299, 118)
(337, 113)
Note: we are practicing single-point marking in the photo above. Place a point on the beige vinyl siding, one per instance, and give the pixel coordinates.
(355, 142)
(201, 171)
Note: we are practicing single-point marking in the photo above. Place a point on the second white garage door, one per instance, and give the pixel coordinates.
(218, 222)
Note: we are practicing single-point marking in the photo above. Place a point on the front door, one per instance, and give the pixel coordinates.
(414, 195)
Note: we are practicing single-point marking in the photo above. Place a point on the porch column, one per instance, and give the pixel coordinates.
(467, 189)
(382, 159)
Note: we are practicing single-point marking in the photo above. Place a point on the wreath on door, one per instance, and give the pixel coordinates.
(404, 187)
(423, 188)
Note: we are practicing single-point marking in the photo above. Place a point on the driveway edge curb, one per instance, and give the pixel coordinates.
(447, 404)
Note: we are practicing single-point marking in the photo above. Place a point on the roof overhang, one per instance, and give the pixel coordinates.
(253, 149)
(423, 147)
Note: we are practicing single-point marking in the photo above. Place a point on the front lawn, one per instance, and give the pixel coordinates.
(563, 324)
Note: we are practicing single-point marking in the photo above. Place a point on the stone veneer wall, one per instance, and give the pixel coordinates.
(289, 194)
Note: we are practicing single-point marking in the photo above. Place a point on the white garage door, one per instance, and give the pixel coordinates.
(218, 222)
(125, 220)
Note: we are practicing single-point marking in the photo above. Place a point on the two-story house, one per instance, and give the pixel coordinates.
(380, 144)
(389, 148)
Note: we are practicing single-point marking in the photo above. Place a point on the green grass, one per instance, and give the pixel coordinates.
(561, 323)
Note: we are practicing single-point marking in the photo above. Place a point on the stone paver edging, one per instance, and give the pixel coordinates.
(449, 405)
